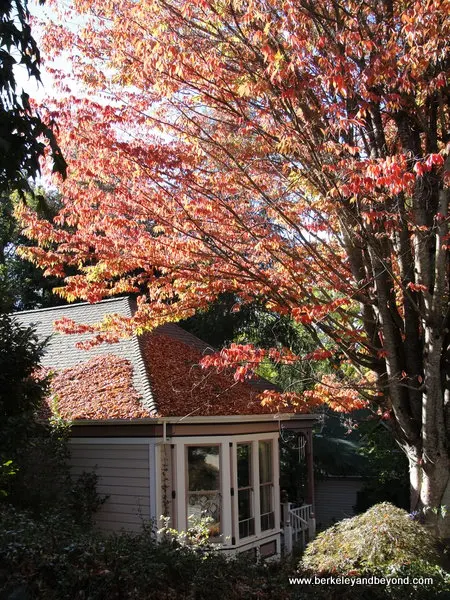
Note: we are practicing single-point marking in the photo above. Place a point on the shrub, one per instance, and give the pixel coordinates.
(383, 537)
(20, 393)
(53, 559)
(383, 542)
(41, 481)
(34, 471)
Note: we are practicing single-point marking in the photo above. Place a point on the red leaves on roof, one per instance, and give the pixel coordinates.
(101, 388)
(183, 388)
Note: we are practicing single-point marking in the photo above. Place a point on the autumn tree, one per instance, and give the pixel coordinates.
(288, 152)
(221, 324)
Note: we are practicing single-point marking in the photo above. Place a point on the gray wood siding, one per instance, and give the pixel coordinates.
(334, 500)
(123, 475)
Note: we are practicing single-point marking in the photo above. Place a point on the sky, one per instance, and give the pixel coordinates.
(37, 91)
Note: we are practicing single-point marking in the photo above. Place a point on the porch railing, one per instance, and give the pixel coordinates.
(299, 525)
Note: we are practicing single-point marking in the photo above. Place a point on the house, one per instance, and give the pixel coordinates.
(166, 437)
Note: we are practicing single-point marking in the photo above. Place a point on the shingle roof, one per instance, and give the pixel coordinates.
(101, 388)
(62, 352)
(157, 375)
(183, 388)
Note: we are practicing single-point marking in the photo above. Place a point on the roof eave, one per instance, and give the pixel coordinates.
(201, 419)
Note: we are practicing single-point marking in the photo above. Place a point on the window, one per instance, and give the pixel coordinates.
(266, 485)
(203, 496)
(245, 490)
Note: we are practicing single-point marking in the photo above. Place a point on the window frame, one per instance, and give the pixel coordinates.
(254, 441)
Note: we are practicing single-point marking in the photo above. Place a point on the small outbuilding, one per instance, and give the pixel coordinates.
(167, 438)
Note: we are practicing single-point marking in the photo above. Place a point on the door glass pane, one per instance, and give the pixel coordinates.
(265, 462)
(244, 465)
(203, 468)
(267, 521)
(246, 519)
(265, 494)
(245, 490)
(245, 507)
(204, 485)
(246, 528)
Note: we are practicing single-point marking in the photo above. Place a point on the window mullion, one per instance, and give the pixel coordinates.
(227, 527)
(181, 475)
(255, 483)
(234, 499)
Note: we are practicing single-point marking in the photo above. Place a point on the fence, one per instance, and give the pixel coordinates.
(299, 525)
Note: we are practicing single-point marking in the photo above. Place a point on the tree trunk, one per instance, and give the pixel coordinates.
(435, 495)
(430, 491)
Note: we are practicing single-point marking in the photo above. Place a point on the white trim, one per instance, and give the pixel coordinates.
(215, 440)
(225, 485)
(250, 487)
(152, 482)
(276, 484)
(228, 478)
(272, 483)
(234, 485)
(237, 418)
(113, 440)
(217, 419)
(255, 484)
(255, 542)
(219, 446)
(256, 500)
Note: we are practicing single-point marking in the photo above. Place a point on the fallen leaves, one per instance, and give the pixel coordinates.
(183, 388)
(100, 388)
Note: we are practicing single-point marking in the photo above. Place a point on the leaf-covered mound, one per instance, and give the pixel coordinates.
(383, 539)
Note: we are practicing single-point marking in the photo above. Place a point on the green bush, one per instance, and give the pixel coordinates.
(53, 559)
(382, 537)
(41, 482)
(34, 471)
(21, 393)
(383, 542)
